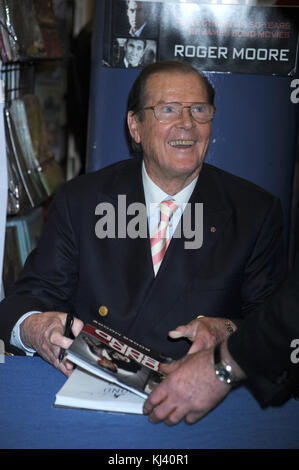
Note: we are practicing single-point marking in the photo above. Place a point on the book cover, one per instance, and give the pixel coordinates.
(17, 199)
(29, 228)
(84, 390)
(30, 127)
(24, 35)
(50, 172)
(116, 358)
(23, 186)
(23, 247)
(19, 118)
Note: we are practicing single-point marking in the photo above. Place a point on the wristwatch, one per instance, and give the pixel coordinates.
(223, 369)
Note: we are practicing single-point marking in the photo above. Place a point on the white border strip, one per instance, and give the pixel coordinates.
(3, 183)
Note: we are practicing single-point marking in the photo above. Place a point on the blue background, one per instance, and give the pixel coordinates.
(254, 130)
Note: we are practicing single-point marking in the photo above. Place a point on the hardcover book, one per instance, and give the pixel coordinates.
(117, 359)
(27, 116)
(86, 391)
(23, 191)
(19, 117)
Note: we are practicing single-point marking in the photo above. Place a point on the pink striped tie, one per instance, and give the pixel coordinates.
(160, 239)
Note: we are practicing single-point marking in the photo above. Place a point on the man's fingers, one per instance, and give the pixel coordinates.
(155, 398)
(164, 413)
(77, 326)
(158, 409)
(184, 331)
(68, 364)
(57, 339)
(175, 334)
(193, 417)
(66, 367)
(168, 412)
(168, 368)
(197, 346)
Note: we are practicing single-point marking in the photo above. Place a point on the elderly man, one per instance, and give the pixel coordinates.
(222, 263)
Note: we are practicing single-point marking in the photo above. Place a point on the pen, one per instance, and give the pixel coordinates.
(67, 332)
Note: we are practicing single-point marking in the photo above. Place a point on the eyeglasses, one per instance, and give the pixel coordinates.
(170, 112)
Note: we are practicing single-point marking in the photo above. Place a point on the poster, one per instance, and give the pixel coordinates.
(214, 38)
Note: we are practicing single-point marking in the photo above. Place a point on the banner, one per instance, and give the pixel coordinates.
(213, 38)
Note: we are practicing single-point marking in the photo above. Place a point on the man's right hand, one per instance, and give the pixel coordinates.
(43, 332)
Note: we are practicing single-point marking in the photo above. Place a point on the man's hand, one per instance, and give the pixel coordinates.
(203, 332)
(190, 390)
(44, 333)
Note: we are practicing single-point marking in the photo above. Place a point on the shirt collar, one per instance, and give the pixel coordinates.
(154, 195)
(138, 32)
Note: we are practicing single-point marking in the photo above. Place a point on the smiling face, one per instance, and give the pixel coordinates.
(134, 51)
(173, 152)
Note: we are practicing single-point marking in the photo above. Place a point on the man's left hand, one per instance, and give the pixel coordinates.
(190, 390)
(203, 332)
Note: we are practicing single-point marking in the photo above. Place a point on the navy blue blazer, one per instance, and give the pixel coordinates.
(240, 263)
(264, 346)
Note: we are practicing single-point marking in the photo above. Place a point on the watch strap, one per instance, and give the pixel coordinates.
(217, 354)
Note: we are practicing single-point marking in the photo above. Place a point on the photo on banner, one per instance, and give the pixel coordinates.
(215, 37)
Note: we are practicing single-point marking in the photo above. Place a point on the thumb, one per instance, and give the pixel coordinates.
(195, 347)
(77, 326)
(184, 331)
(168, 368)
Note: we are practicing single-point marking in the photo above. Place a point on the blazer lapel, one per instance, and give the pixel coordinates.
(133, 254)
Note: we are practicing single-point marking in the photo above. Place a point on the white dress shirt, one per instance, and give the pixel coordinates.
(154, 195)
